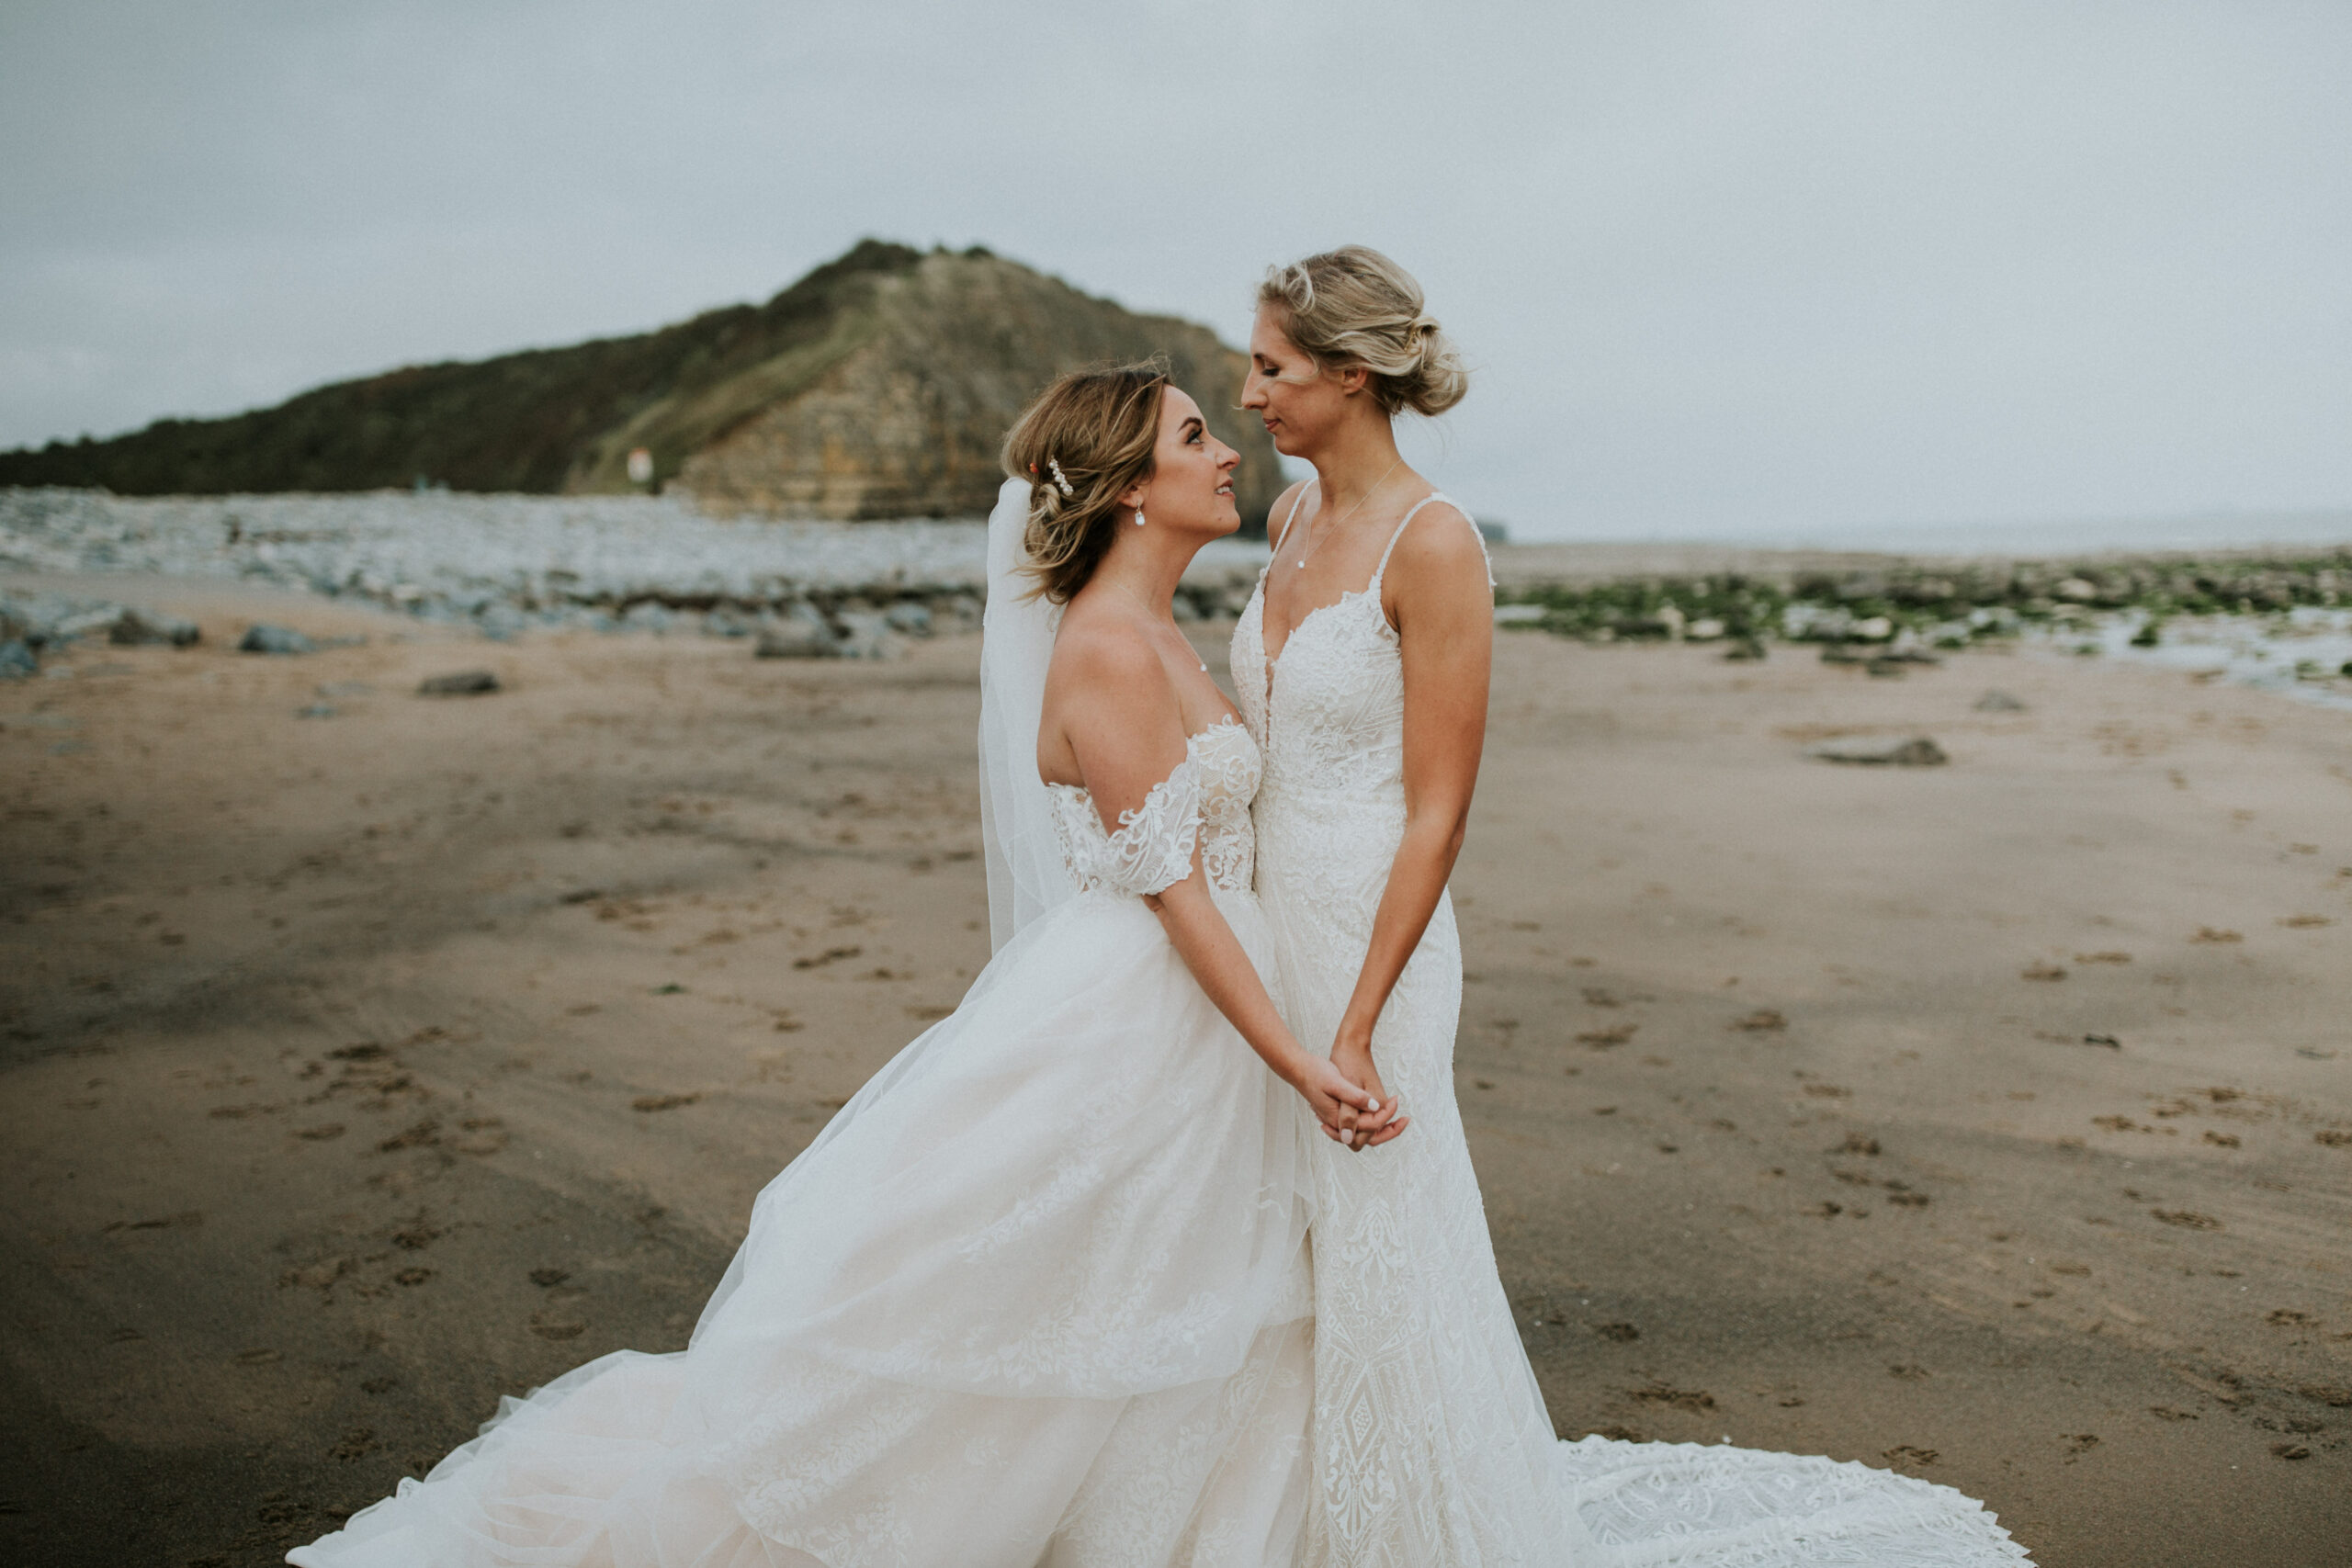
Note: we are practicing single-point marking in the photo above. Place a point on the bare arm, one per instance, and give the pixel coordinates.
(1123, 727)
(1444, 611)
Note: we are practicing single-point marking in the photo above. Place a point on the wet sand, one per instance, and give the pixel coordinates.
(362, 1067)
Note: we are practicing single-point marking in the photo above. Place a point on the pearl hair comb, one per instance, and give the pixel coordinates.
(1063, 484)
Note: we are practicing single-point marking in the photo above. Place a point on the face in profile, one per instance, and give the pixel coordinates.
(1190, 489)
(1287, 390)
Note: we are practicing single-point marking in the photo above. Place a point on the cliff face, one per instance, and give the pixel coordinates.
(878, 385)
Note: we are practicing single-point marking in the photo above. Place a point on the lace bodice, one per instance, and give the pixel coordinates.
(1329, 712)
(1204, 801)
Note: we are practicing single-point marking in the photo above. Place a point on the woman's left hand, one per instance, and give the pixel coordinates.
(1353, 1059)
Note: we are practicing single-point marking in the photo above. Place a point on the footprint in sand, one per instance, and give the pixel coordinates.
(421, 1135)
(357, 1443)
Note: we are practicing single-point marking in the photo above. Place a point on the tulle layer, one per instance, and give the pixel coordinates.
(1040, 1294)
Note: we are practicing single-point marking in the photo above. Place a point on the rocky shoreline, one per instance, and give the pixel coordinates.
(2278, 618)
(505, 565)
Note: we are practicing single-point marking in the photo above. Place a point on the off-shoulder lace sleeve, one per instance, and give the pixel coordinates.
(1152, 851)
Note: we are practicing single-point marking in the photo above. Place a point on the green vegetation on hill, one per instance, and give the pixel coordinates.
(877, 386)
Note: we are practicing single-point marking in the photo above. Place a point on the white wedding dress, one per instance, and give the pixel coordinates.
(1431, 1445)
(1037, 1296)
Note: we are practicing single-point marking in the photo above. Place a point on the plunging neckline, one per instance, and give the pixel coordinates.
(1345, 594)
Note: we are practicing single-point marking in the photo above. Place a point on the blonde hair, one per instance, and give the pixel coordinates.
(1354, 306)
(1089, 438)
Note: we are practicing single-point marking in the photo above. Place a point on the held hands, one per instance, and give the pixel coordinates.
(1351, 1113)
(1352, 1059)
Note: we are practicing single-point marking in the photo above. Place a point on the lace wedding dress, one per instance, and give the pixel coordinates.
(1431, 1445)
(1036, 1296)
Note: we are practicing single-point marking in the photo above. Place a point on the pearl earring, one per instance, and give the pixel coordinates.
(1138, 517)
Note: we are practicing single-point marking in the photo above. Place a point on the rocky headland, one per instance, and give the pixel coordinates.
(879, 385)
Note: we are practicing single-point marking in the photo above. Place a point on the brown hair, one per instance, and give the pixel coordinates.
(1353, 306)
(1088, 439)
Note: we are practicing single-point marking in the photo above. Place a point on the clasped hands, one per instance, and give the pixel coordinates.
(1354, 1109)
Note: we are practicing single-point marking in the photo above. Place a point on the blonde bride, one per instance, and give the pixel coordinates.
(1360, 663)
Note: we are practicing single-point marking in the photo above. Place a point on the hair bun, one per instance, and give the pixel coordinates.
(1355, 307)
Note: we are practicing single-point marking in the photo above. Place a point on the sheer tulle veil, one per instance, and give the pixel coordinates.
(1025, 875)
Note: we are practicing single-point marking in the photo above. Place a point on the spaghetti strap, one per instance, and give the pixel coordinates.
(1289, 517)
(1382, 570)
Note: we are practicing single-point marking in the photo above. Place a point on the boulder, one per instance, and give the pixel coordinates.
(865, 635)
(499, 621)
(799, 633)
(460, 683)
(17, 659)
(263, 637)
(142, 628)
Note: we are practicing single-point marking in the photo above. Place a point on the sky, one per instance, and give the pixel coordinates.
(1748, 269)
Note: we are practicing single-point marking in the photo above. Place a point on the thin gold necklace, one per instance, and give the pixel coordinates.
(1314, 543)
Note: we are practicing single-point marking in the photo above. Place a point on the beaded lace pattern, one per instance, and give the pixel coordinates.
(1204, 802)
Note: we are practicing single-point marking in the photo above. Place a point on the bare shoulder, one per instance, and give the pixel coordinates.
(1105, 653)
(1441, 551)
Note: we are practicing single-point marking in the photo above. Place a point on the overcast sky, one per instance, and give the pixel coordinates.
(1725, 269)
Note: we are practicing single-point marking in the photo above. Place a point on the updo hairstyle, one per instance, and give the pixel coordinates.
(1087, 440)
(1353, 306)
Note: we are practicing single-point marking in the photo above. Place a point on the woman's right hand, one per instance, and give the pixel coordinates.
(1350, 1113)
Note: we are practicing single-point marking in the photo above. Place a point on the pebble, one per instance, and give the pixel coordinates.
(1919, 752)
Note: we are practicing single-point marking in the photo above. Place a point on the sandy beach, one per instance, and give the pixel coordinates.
(1991, 1121)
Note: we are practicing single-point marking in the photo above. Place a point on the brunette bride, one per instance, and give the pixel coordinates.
(1038, 1295)
(1362, 667)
